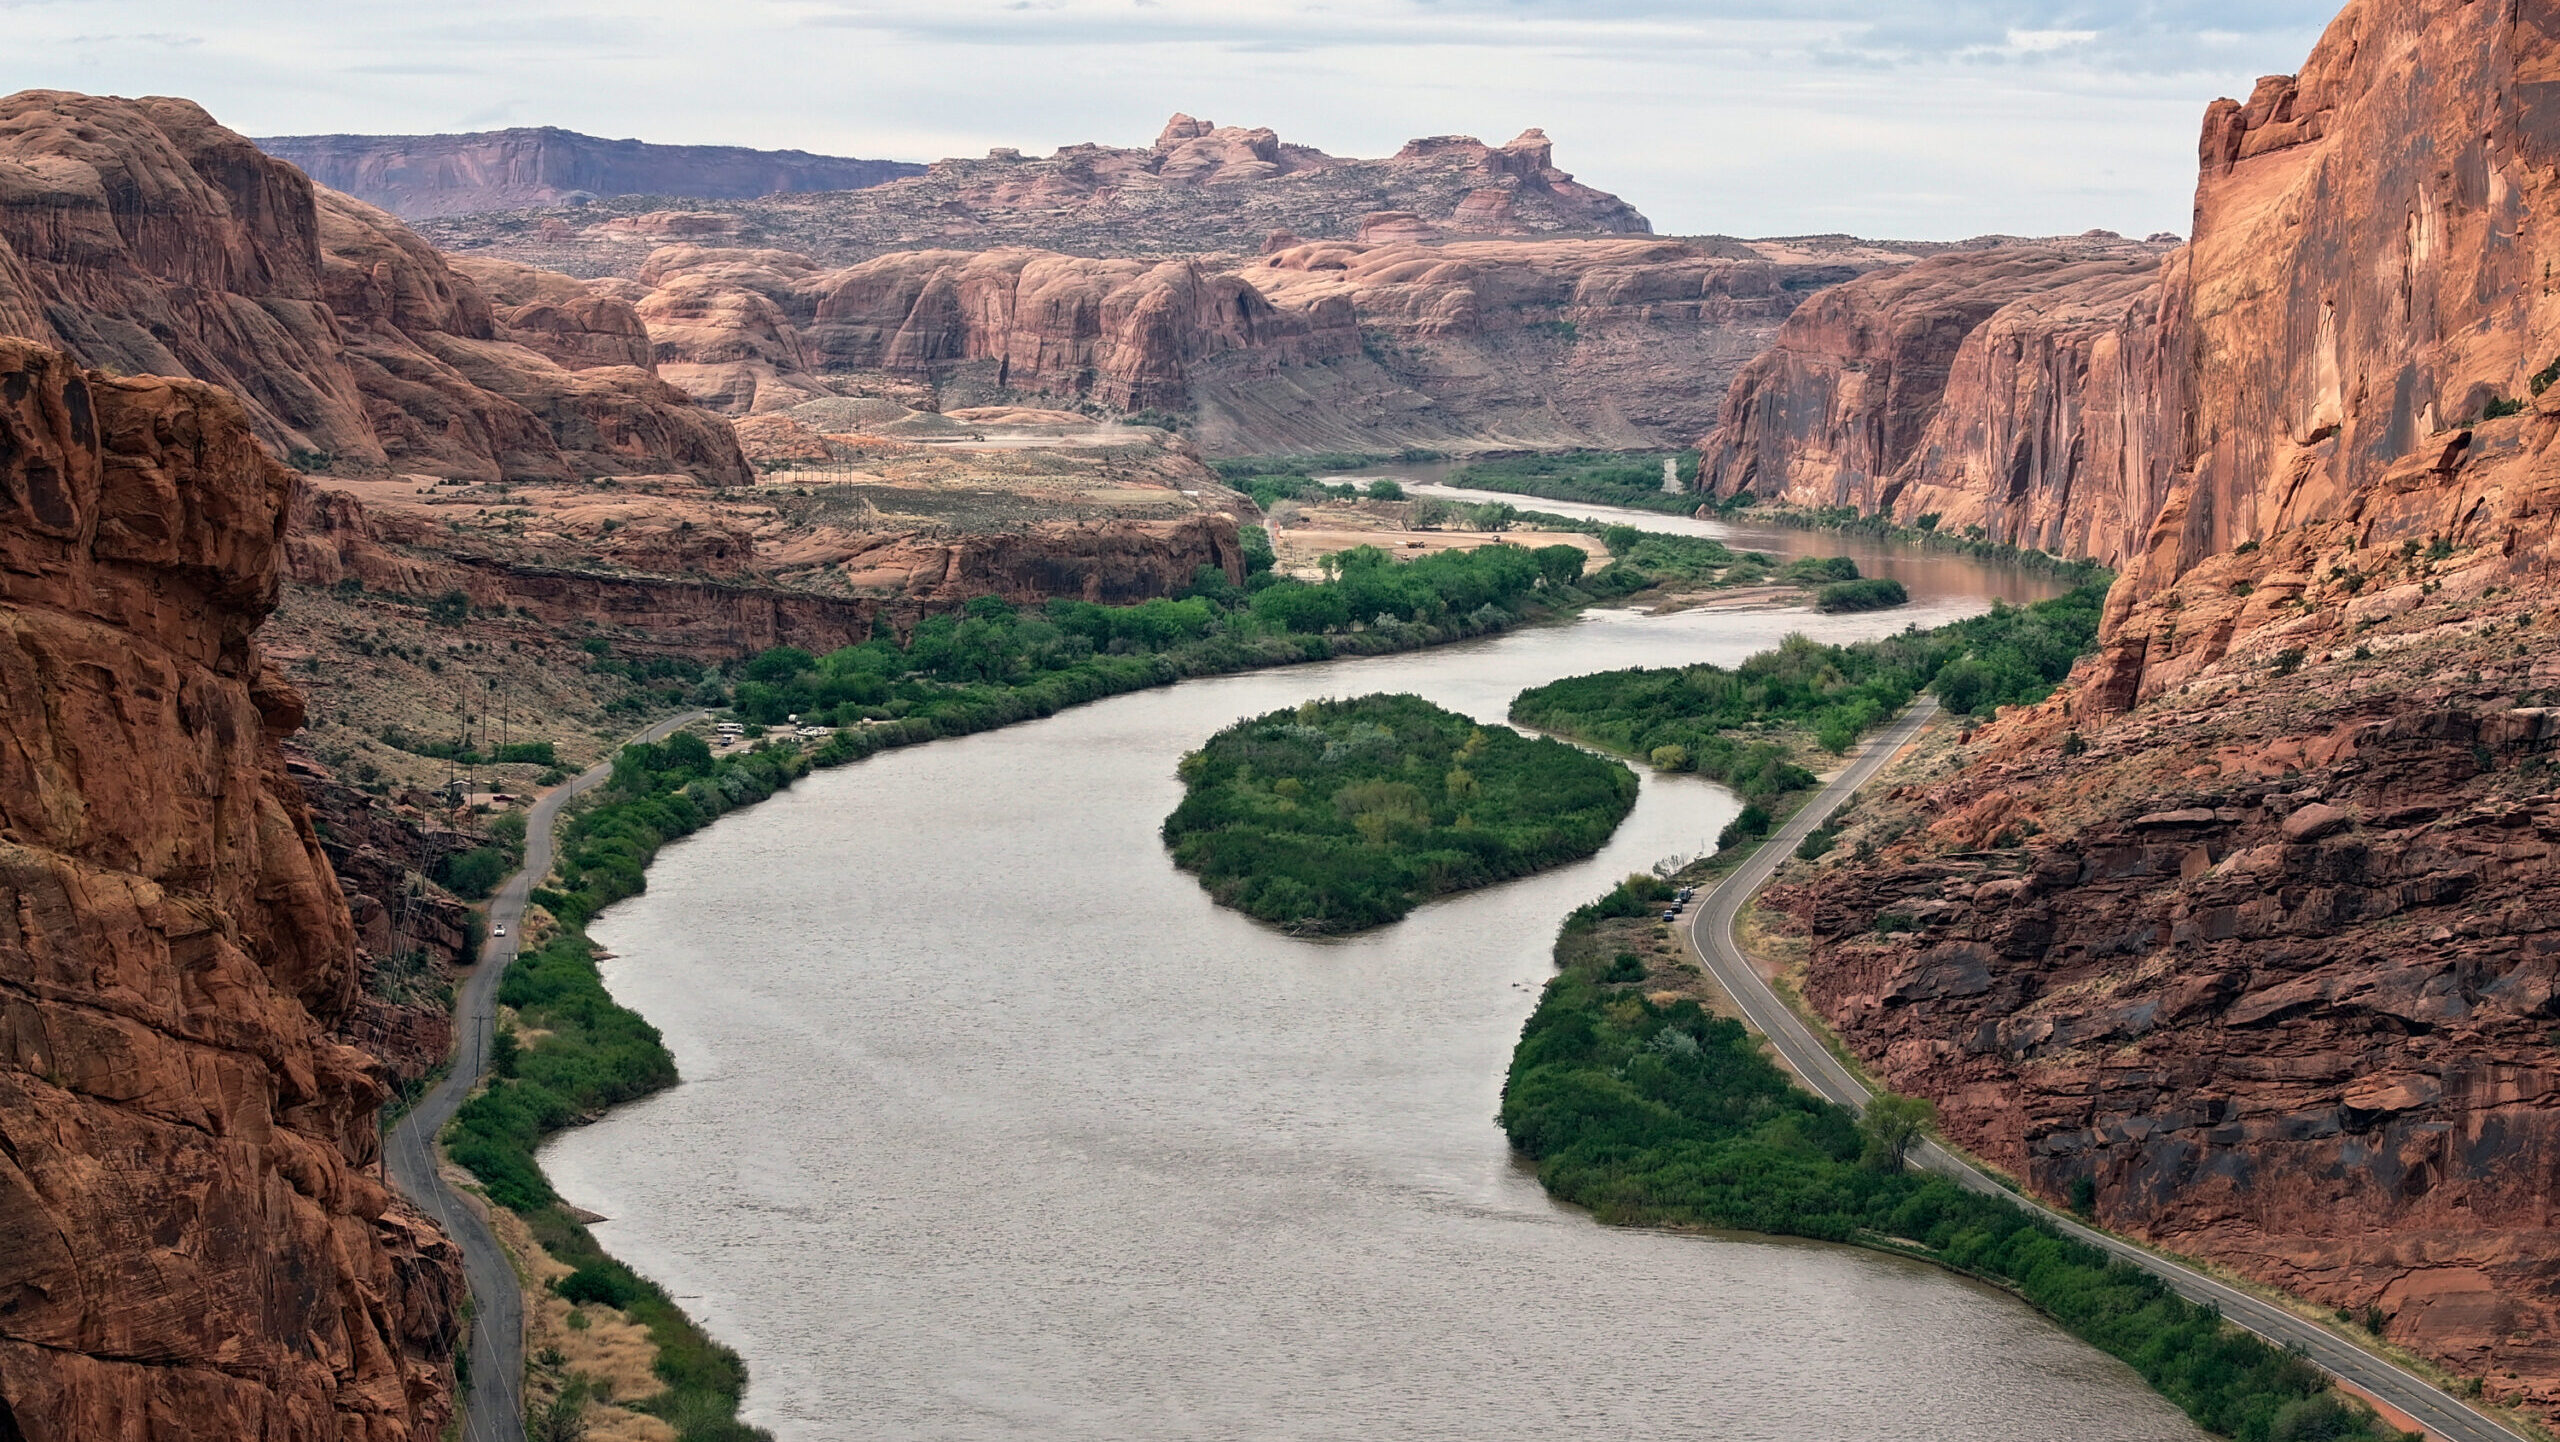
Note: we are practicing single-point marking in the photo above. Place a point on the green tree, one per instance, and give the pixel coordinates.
(1892, 1125)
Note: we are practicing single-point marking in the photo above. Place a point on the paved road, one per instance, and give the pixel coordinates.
(1712, 932)
(495, 1410)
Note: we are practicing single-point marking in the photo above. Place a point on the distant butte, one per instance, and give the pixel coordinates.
(418, 176)
(1200, 187)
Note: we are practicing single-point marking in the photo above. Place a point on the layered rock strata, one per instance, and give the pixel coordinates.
(139, 236)
(887, 580)
(1313, 346)
(191, 1243)
(2033, 392)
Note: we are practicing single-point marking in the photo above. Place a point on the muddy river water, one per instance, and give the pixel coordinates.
(993, 1126)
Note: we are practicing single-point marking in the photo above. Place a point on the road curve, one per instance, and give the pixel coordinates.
(1712, 933)
(495, 1410)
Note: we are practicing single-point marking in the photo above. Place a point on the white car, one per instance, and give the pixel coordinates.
(499, 930)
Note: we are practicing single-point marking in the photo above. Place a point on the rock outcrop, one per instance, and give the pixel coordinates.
(416, 176)
(2246, 934)
(1199, 188)
(879, 579)
(190, 1242)
(2032, 391)
(1314, 346)
(141, 237)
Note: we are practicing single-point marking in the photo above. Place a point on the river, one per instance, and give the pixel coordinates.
(993, 1126)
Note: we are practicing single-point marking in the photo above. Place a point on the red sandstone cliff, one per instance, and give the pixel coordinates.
(141, 237)
(2033, 392)
(190, 1245)
(2270, 964)
(1315, 346)
(877, 577)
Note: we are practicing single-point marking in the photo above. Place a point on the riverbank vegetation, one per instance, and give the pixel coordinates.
(592, 1054)
(1639, 1104)
(1729, 724)
(1925, 532)
(1632, 479)
(993, 663)
(1338, 815)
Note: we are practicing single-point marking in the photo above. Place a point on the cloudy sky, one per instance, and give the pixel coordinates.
(1912, 119)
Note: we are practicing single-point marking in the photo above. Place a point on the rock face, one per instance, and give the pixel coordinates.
(2267, 960)
(2034, 392)
(1313, 346)
(140, 236)
(901, 576)
(1199, 187)
(415, 176)
(190, 1242)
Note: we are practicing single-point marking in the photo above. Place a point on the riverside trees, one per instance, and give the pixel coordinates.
(1343, 814)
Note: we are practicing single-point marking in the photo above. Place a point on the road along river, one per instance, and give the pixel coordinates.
(993, 1126)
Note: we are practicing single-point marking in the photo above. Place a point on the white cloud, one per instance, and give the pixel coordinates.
(1920, 118)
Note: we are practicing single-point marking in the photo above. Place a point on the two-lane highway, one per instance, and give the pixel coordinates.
(1712, 933)
(495, 1411)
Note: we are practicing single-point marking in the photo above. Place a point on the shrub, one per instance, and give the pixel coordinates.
(1873, 594)
(475, 873)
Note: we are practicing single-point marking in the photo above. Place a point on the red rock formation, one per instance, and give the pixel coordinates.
(2033, 392)
(188, 1238)
(142, 237)
(1485, 343)
(901, 577)
(2271, 962)
(414, 176)
(1199, 188)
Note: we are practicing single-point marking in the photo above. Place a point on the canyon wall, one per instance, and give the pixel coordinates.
(416, 176)
(191, 1243)
(891, 579)
(2034, 392)
(2244, 938)
(140, 237)
(1315, 346)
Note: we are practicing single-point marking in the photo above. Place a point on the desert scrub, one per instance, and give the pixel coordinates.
(1339, 815)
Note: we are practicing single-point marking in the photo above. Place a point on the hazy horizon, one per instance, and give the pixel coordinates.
(1936, 120)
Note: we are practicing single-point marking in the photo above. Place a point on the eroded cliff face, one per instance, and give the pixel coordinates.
(142, 237)
(2034, 392)
(1314, 346)
(875, 577)
(190, 1242)
(2248, 930)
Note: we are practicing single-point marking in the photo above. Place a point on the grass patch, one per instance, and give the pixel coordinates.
(1345, 814)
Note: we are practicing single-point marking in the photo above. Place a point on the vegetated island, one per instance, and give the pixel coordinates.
(1339, 815)
(1637, 1102)
(1741, 725)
